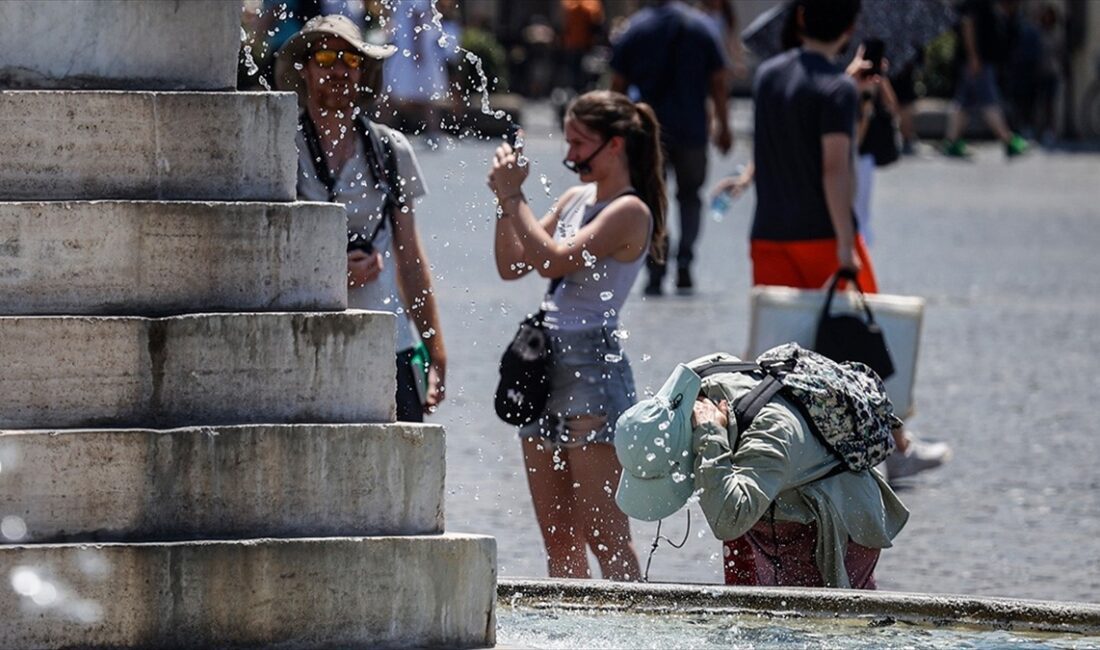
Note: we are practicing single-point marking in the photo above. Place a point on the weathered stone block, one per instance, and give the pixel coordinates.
(162, 257)
(224, 482)
(306, 593)
(142, 145)
(202, 369)
(119, 44)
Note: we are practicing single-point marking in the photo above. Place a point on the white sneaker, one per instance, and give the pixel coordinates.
(919, 456)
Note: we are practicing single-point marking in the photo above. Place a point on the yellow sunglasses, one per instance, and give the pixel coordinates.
(327, 58)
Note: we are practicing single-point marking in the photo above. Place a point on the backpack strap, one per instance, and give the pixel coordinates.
(749, 405)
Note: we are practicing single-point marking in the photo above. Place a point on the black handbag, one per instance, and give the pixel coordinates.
(524, 384)
(852, 337)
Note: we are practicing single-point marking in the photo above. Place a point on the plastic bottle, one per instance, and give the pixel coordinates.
(720, 205)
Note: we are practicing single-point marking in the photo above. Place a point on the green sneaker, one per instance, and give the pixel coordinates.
(1016, 146)
(956, 149)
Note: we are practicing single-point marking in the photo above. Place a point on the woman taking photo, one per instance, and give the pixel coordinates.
(595, 239)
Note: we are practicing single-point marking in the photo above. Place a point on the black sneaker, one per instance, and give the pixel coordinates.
(653, 287)
(684, 284)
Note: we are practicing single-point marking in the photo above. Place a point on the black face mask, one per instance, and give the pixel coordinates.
(583, 166)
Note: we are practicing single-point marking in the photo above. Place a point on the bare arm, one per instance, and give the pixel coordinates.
(508, 248)
(836, 150)
(414, 280)
(723, 137)
(622, 227)
(970, 44)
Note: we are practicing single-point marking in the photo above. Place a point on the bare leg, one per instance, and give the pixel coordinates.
(956, 122)
(595, 471)
(550, 480)
(995, 118)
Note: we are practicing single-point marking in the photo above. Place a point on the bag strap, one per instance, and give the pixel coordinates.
(845, 274)
(749, 405)
(383, 169)
(557, 281)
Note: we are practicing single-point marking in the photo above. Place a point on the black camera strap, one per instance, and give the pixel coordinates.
(384, 169)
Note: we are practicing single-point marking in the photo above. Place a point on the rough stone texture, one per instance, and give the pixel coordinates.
(142, 145)
(119, 44)
(308, 593)
(917, 609)
(224, 482)
(150, 258)
(204, 369)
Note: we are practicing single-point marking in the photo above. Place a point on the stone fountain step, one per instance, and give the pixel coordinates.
(159, 257)
(200, 369)
(349, 592)
(119, 44)
(223, 482)
(147, 145)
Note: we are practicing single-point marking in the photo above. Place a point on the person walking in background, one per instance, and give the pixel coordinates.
(582, 29)
(416, 79)
(593, 244)
(804, 227)
(345, 158)
(876, 133)
(672, 58)
(722, 18)
(983, 45)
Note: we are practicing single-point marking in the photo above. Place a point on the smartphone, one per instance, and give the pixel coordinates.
(514, 136)
(873, 50)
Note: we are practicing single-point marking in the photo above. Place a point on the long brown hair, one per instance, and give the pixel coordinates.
(613, 114)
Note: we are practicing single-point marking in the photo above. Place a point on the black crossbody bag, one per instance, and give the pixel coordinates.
(524, 384)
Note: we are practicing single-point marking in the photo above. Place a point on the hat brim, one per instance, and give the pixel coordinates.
(650, 499)
(287, 77)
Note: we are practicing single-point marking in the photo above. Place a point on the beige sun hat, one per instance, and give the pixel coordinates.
(298, 46)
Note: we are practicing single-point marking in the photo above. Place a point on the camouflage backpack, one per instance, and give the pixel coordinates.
(845, 404)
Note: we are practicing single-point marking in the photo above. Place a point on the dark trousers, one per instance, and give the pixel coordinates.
(409, 408)
(689, 165)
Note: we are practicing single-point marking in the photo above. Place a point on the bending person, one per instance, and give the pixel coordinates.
(596, 240)
(809, 521)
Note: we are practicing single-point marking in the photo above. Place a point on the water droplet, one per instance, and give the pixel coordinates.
(13, 528)
(611, 357)
(677, 477)
(606, 295)
(651, 456)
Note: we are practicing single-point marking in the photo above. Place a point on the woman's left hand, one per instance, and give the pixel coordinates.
(507, 175)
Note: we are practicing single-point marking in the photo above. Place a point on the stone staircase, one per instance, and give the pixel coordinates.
(197, 445)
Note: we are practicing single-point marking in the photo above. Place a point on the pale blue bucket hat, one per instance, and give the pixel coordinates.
(653, 443)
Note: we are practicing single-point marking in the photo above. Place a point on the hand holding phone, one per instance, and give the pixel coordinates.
(873, 51)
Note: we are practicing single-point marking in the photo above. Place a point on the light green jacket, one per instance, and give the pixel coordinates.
(778, 458)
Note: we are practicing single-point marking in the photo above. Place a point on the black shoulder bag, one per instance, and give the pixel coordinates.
(852, 337)
(524, 384)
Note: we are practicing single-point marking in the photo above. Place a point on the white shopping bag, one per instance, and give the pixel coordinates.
(783, 315)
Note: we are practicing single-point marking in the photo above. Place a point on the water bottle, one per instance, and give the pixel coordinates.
(720, 205)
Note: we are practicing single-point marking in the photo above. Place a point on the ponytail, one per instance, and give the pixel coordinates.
(610, 114)
(647, 175)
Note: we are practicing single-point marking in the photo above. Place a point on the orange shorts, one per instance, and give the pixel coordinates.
(805, 264)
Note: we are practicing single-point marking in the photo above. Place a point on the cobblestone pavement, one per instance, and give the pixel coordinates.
(1005, 254)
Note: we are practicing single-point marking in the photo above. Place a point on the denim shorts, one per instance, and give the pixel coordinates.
(589, 375)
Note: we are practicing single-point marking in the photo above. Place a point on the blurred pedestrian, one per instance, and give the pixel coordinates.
(983, 45)
(582, 29)
(807, 519)
(673, 60)
(416, 79)
(876, 133)
(345, 158)
(593, 244)
(722, 19)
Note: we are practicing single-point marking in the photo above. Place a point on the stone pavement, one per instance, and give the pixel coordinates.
(1004, 253)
